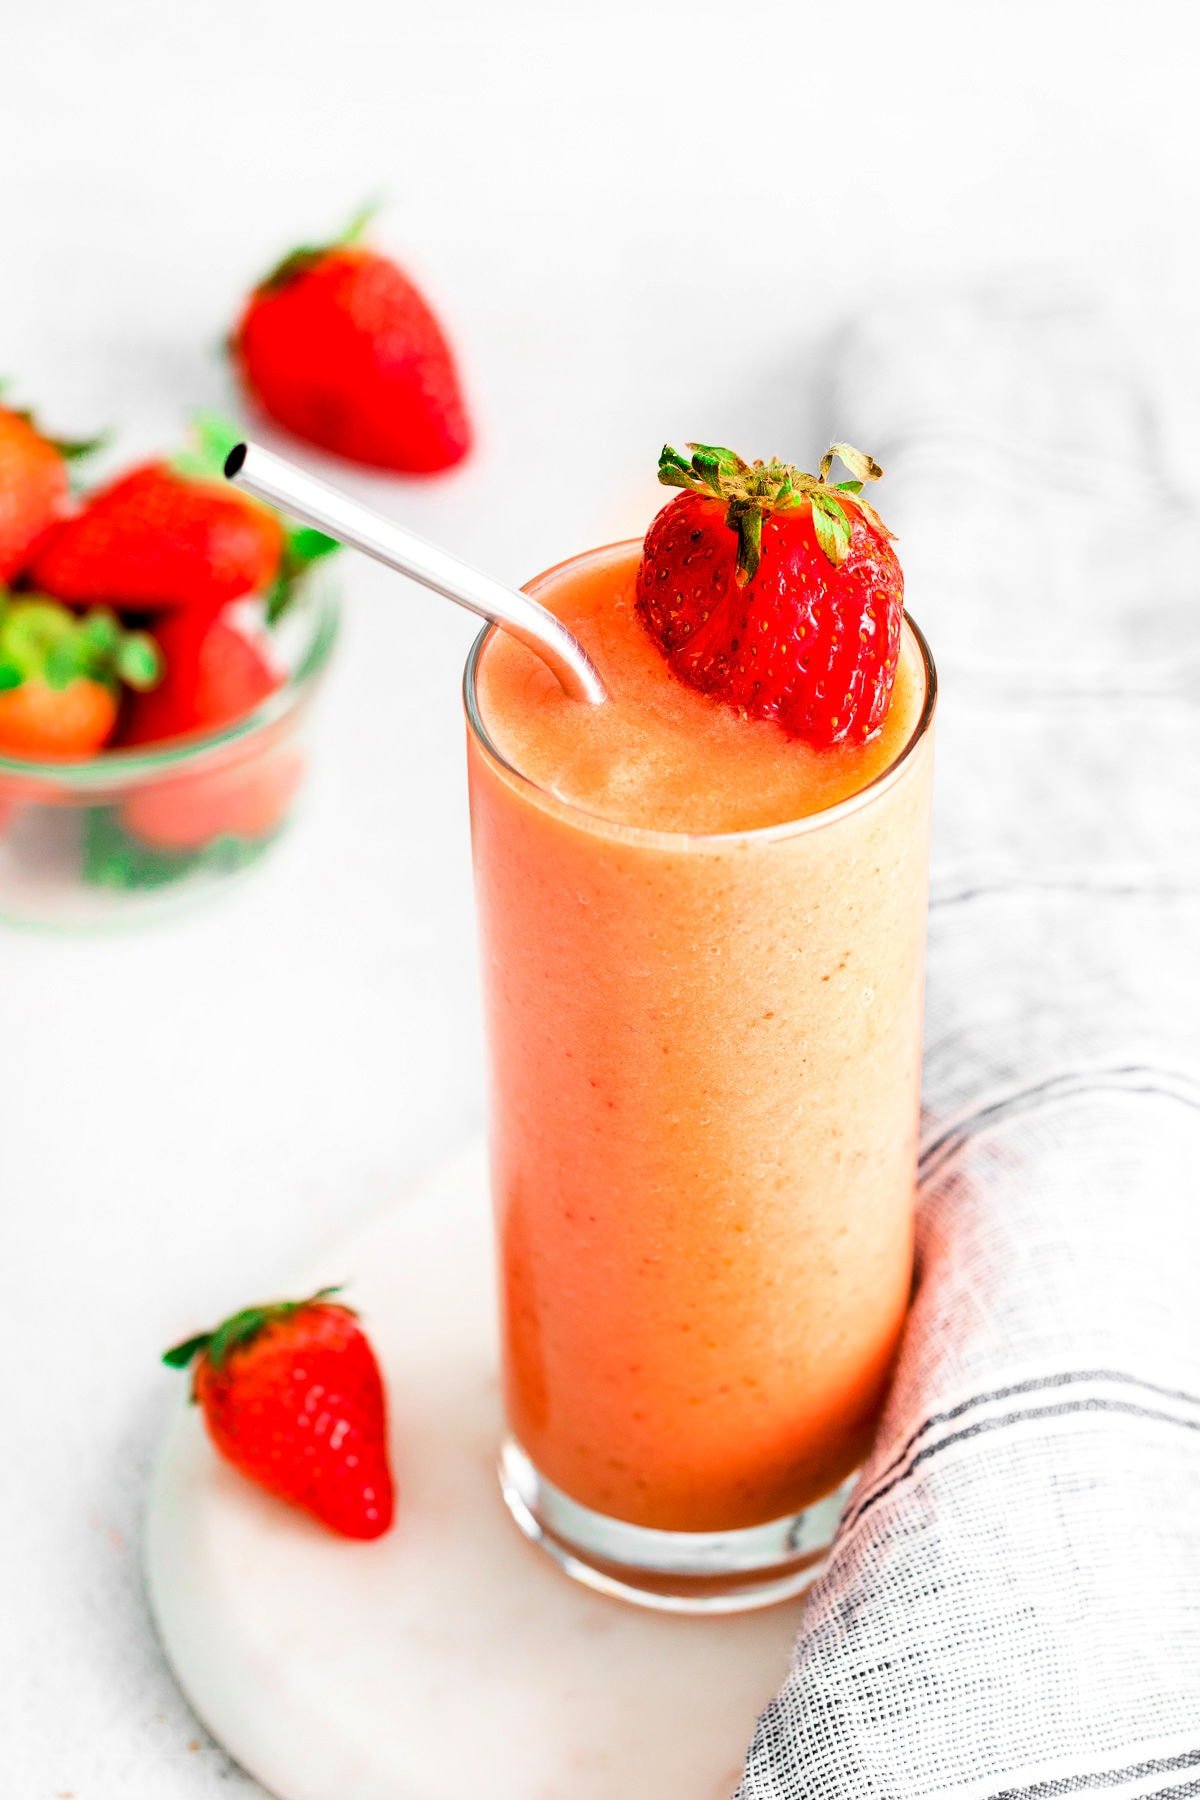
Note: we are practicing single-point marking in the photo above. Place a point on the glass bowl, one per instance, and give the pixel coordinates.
(132, 833)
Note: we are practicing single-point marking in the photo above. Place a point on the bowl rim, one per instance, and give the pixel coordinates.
(117, 767)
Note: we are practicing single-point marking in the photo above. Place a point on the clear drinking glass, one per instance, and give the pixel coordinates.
(705, 1066)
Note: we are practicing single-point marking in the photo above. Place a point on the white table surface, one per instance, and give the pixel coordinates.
(638, 224)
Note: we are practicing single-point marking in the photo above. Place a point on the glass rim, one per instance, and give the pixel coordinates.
(656, 836)
(114, 768)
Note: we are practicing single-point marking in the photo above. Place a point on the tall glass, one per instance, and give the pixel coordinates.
(705, 1065)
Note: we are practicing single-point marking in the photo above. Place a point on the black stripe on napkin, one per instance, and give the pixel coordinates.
(1063, 1378)
(1074, 1784)
(1068, 1084)
(1093, 1404)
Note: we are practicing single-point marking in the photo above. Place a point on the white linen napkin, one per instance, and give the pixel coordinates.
(1012, 1609)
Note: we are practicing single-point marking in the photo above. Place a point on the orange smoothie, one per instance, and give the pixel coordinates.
(703, 958)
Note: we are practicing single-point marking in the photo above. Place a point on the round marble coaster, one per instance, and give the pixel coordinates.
(451, 1658)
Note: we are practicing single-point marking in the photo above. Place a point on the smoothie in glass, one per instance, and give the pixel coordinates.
(702, 955)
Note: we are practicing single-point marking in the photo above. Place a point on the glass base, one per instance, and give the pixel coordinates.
(671, 1571)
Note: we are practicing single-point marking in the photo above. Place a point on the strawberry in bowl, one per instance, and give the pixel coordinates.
(216, 675)
(63, 678)
(160, 540)
(34, 486)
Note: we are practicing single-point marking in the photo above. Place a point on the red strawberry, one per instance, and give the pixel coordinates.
(159, 540)
(213, 676)
(61, 676)
(248, 800)
(776, 592)
(292, 1396)
(33, 486)
(339, 347)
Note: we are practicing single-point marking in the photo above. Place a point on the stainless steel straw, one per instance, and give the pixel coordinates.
(271, 478)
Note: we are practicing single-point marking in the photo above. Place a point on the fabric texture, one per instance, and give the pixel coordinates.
(1012, 1609)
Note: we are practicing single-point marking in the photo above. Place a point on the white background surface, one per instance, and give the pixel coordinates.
(641, 221)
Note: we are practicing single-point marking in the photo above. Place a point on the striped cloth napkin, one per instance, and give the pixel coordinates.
(1012, 1610)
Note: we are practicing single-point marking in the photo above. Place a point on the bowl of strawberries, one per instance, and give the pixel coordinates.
(161, 640)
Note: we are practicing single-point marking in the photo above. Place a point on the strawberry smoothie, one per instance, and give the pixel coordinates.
(702, 952)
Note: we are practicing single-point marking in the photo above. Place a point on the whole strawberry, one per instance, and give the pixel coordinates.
(338, 346)
(167, 536)
(292, 1396)
(62, 678)
(776, 591)
(213, 675)
(33, 486)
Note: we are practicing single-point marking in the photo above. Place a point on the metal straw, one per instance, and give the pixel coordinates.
(271, 478)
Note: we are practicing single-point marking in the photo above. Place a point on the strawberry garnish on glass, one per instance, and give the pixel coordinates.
(775, 591)
(292, 1396)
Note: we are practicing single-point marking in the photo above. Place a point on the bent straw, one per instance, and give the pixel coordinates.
(281, 483)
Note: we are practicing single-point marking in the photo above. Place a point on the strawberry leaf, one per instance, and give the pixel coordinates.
(860, 465)
(832, 527)
(98, 648)
(304, 257)
(237, 1330)
(303, 546)
(114, 858)
(70, 449)
(30, 630)
(674, 470)
(10, 676)
(240, 1328)
(306, 545)
(138, 661)
(747, 522)
(750, 490)
(75, 449)
(190, 464)
(99, 632)
(356, 229)
(216, 436)
(66, 660)
(180, 1355)
(872, 517)
(713, 463)
(289, 268)
(203, 459)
